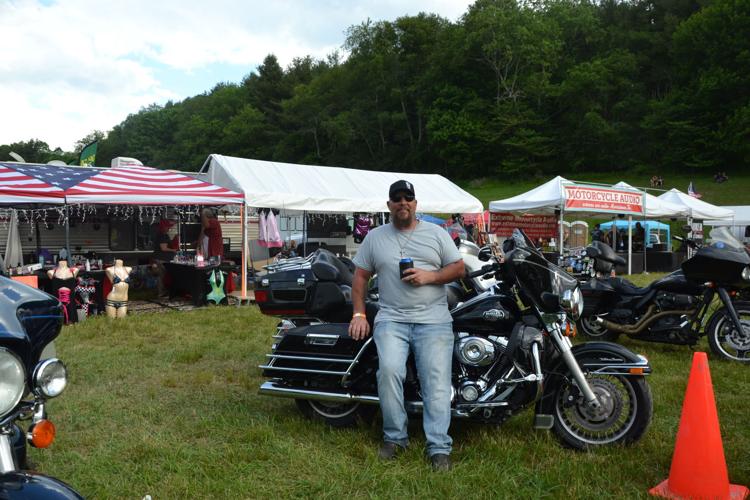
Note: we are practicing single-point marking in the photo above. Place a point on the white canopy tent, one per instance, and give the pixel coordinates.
(741, 217)
(312, 188)
(330, 189)
(559, 195)
(695, 208)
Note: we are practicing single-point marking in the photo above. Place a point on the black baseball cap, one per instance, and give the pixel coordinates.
(400, 186)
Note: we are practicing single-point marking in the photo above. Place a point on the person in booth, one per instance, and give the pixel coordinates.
(211, 231)
(165, 248)
(413, 262)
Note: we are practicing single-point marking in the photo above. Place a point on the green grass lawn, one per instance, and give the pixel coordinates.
(167, 405)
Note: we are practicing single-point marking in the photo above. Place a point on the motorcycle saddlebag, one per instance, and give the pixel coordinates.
(325, 349)
(285, 293)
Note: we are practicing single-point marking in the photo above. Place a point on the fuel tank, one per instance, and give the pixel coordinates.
(29, 320)
(487, 313)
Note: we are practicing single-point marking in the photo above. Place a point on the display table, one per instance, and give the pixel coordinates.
(191, 280)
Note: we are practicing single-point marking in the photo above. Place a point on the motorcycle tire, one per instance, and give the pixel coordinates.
(590, 330)
(625, 413)
(336, 414)
(723, 338)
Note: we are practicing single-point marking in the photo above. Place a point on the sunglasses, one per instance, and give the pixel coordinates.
(407, 197)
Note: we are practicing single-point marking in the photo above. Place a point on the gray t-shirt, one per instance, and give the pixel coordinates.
(431, 248)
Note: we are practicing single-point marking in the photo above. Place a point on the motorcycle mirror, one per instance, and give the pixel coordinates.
(485, 254)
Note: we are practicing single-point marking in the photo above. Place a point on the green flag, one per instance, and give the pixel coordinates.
(88, 154)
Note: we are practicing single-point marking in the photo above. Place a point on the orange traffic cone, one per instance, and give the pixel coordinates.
(699, 469)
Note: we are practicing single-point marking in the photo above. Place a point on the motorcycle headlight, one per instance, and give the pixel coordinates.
(572, 302)
(746, 273)
(50, 378)
(12, 381)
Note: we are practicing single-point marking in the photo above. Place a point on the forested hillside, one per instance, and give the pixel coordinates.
(536, 86)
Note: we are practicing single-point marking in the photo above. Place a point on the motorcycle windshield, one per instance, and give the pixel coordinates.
(535, 275)
(722, 238)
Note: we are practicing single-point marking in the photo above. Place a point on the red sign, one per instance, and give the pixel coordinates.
(603, 200)
(535, 226)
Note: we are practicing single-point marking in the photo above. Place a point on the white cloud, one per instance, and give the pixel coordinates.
(78, 65)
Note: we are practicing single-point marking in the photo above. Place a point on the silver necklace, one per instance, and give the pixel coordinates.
(403, 246)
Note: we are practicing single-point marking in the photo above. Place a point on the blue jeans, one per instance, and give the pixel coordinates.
(432, 345)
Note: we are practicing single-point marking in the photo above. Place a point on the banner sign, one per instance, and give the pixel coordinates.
(535, 226)
(88, 155)
(603, 200)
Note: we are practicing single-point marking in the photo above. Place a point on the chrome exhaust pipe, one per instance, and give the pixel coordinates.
(272, 389)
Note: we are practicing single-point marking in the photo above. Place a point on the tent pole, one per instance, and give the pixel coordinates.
(304, 230)
(243, 274)
(630, 244)
(562, 229)
(67, 233)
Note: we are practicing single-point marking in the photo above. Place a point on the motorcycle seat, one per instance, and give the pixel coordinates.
(625, 287)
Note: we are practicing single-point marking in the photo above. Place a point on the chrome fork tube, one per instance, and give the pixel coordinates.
(7, 462)
(564, 346)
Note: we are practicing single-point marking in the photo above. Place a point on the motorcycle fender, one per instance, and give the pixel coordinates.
(29, 485)
(600, 357)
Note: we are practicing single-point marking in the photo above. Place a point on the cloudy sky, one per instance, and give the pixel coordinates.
(68, 67)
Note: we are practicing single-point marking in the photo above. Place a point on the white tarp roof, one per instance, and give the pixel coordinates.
(545, 198)
(697, 209)
(289, 186)
(741, 217)
(550, 196)
(655, 207)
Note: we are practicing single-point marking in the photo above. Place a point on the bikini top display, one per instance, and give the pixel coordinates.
(117, 280)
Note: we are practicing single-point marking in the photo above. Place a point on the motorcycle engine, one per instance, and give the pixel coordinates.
(476, 351)
(672, 301)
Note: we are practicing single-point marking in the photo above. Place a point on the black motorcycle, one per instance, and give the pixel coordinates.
(505, 358)
(673, 309)
(29, 321)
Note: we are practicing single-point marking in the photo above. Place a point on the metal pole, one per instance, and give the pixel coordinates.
(67, 232)
(304, 230)
(630, 244)
(243, 274)
(562, 233)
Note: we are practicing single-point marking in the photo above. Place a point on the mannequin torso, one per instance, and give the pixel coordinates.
(117, 299)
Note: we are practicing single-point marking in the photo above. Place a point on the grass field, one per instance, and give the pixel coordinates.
(167, 405)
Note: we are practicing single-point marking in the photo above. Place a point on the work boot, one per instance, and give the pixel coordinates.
(440, 462)
(388, 450)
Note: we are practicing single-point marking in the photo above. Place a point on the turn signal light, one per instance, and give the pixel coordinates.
(570, 330)
(636, 371)
(42, 434)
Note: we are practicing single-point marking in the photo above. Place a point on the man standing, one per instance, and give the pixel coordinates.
(211, 230)
(413, 316)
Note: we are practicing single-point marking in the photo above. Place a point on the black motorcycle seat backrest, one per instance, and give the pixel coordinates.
(606, 253)
(327, 267)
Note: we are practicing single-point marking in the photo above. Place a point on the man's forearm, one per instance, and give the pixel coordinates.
(449, 273)
(359, 284)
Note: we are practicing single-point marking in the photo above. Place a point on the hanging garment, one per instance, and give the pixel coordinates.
(62, 289)
(273, 238)
(361, 227)
(262, 228)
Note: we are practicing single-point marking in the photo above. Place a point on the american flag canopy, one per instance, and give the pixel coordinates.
(24, 183)
(27, 183)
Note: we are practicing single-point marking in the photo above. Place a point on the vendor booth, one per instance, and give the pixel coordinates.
(94, 217)
(319, 189)
(542, 210)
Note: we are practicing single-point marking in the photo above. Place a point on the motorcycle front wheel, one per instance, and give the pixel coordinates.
(622, 417)
(335, 414)
(590, 329)
(724, 339)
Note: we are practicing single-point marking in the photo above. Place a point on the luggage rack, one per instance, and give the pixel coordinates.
(290, 264)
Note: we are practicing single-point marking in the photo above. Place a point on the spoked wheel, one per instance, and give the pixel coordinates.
(335, 414)
(594, 330)
(623, 414)
(724, 338)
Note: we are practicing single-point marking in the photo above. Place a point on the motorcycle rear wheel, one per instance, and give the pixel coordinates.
(595, 331)
(724, 339)
(624, 415)
(336, 414)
